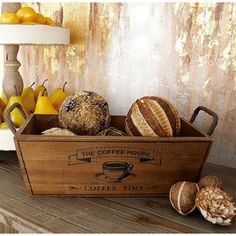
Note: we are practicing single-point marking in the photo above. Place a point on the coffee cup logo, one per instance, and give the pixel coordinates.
(115, 171)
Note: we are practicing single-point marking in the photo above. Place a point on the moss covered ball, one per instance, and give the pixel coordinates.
(86, 113)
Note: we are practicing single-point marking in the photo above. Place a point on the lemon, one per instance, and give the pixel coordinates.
(28, 23)
(40, 19)
(49, 21)
(9, 18)
(4, 125)
(26, 14)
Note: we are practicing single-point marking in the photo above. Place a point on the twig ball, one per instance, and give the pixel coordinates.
(182, 196)
(85, 113)
(211, 181)
(152, 116)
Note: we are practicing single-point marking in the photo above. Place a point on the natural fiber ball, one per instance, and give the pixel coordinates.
(216, 205)
(86, 113)
(152, 116)
(182, 196)
(211, 181)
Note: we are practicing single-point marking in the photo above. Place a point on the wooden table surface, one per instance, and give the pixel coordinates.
(20, 213)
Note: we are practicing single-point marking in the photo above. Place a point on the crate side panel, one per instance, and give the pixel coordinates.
(92, 168)
(39, 123)
(22, 166)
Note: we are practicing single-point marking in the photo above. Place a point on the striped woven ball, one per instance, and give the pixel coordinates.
(152, 116)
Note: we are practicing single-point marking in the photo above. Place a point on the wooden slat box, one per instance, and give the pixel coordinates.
(107, 165)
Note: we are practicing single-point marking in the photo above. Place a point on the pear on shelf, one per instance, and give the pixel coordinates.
(16, 116)
(2, 104)
(1, 116)
(28, 98)
(44, 106)
(3, 98)
(4, 125)
(58, 97)
(40, 89)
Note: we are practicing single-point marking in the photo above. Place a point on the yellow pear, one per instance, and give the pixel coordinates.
(1, 115)
(39, 90)
(2, 104)
(44, 106)
(58, 97)
(3, 97)
(16, 116)
(28, 98)
(4, 125)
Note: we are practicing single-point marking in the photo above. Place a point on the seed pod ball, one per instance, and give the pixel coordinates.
(182, 196)
(211, 181)
(152, 116)
(86, 113)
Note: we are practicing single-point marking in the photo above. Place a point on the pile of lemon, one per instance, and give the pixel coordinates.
(25, 15)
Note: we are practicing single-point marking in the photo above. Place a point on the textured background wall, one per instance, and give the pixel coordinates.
(185, 52)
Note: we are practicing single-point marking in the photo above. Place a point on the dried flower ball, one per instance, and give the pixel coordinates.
(216, 206)
(210, 181)
(86, 113)
(182, 196)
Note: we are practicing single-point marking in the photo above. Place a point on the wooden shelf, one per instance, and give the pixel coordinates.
(23, 214)
(33, 34)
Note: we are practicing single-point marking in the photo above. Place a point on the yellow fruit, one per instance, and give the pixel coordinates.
(58, 97)
(49, 21)
(9, 18)
(26, 14)
(28, 98)
(44, 106)
(16, 116)
(2, 104)
(40, 19)
(38, 91)
(28, 23)
(3, 97)
(4, 125)
(1, 115)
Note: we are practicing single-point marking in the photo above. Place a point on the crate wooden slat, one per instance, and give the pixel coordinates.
(107, 166)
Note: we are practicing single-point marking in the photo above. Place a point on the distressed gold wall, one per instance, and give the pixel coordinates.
(185, 52)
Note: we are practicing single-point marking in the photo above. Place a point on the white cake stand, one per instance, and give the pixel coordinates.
(12, 36)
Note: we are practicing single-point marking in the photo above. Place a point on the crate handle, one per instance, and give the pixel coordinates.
(211, 113)
(8, 116)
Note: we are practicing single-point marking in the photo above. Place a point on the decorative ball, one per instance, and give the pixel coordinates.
(211, 181)
(182, 196)
(152, 116)
(216, 206)
(111, 131)
(86, 113)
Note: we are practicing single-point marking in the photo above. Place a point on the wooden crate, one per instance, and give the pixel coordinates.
(107, 166)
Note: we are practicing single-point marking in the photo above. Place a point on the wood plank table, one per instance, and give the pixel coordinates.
(20, 213)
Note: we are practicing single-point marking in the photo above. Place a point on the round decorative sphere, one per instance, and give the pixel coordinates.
(211, 181)
(86, 113)
(182, 196)
(152, 116)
